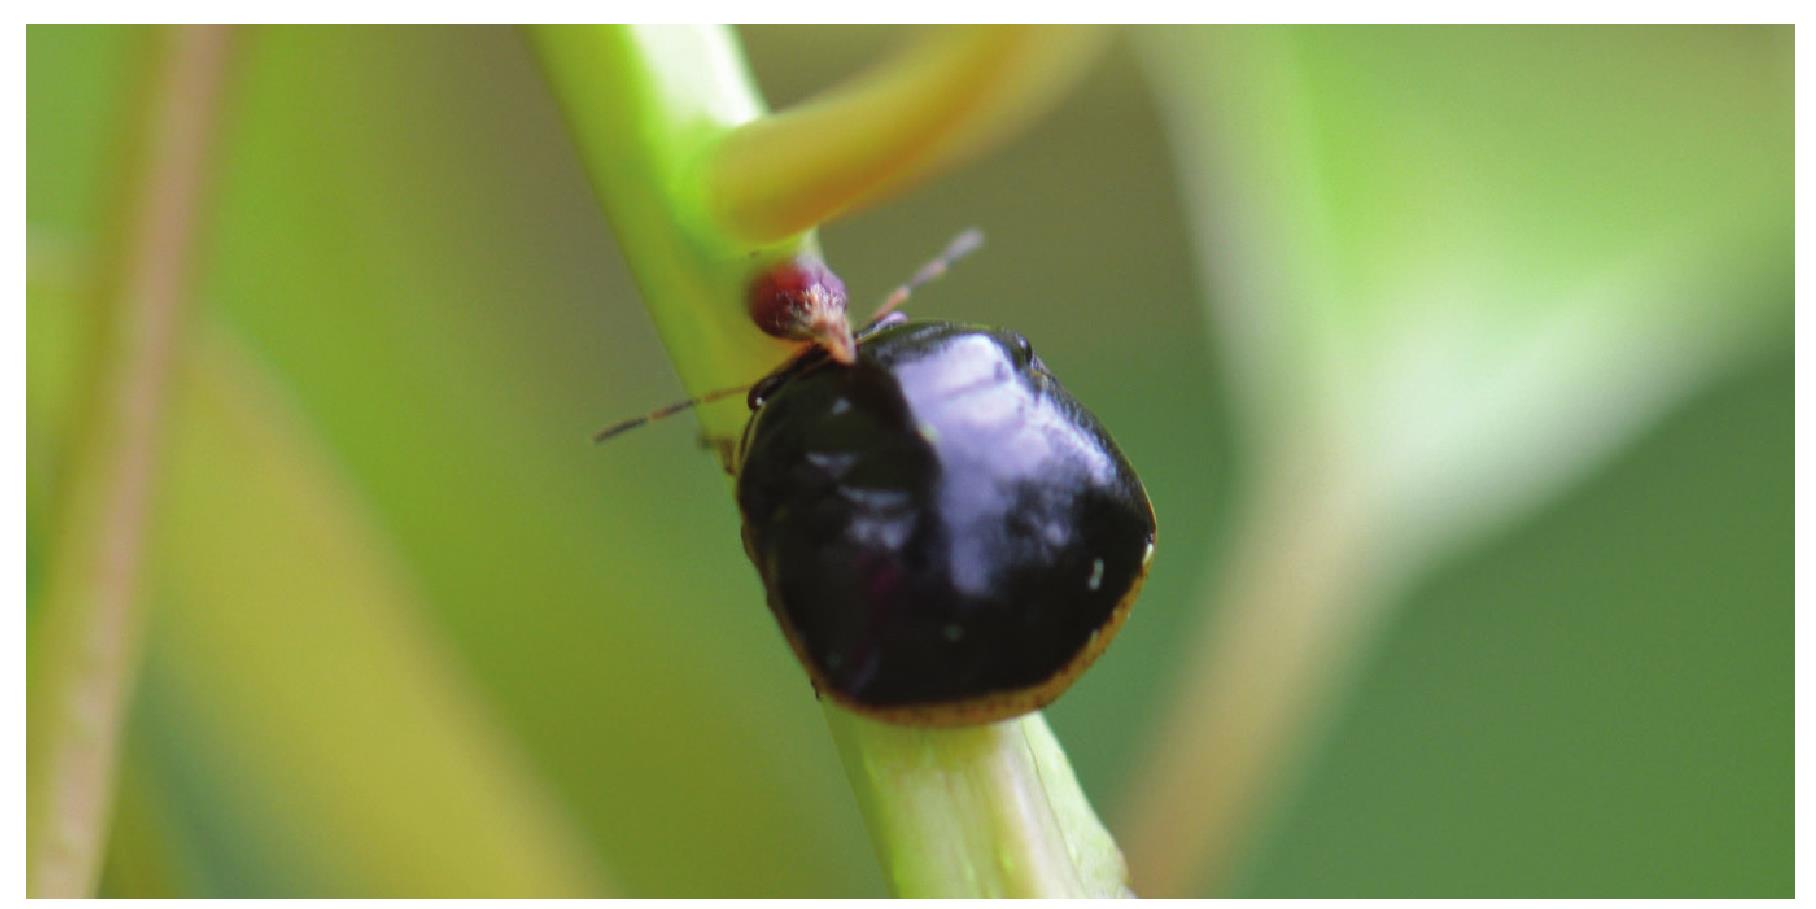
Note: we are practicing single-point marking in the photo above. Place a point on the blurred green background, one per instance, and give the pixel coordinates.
(413, 635)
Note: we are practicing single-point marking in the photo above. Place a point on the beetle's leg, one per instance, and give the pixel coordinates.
(726, 448)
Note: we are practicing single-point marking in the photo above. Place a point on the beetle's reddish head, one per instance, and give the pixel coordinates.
(802, 300)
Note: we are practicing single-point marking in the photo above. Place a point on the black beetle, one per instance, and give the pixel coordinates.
(945, 535)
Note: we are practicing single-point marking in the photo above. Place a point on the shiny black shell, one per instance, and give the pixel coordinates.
(945, 535)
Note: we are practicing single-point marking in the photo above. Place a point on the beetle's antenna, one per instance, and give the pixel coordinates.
(663, 413)
(961, 246)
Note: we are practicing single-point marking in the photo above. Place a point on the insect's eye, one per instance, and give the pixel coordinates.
(1024, 351)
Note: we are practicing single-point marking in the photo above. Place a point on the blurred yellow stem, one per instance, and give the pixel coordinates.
(949, 96)
(82, 661)
(1287, 613)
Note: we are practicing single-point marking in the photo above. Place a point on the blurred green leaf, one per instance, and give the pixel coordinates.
(284, 655)
(1451, 269)
(1601, 704)
(1476, 258)
(295, 654)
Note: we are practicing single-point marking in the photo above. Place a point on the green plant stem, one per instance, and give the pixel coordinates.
(944, 98)
(984, 811)
(646, 104)
(84, 652)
